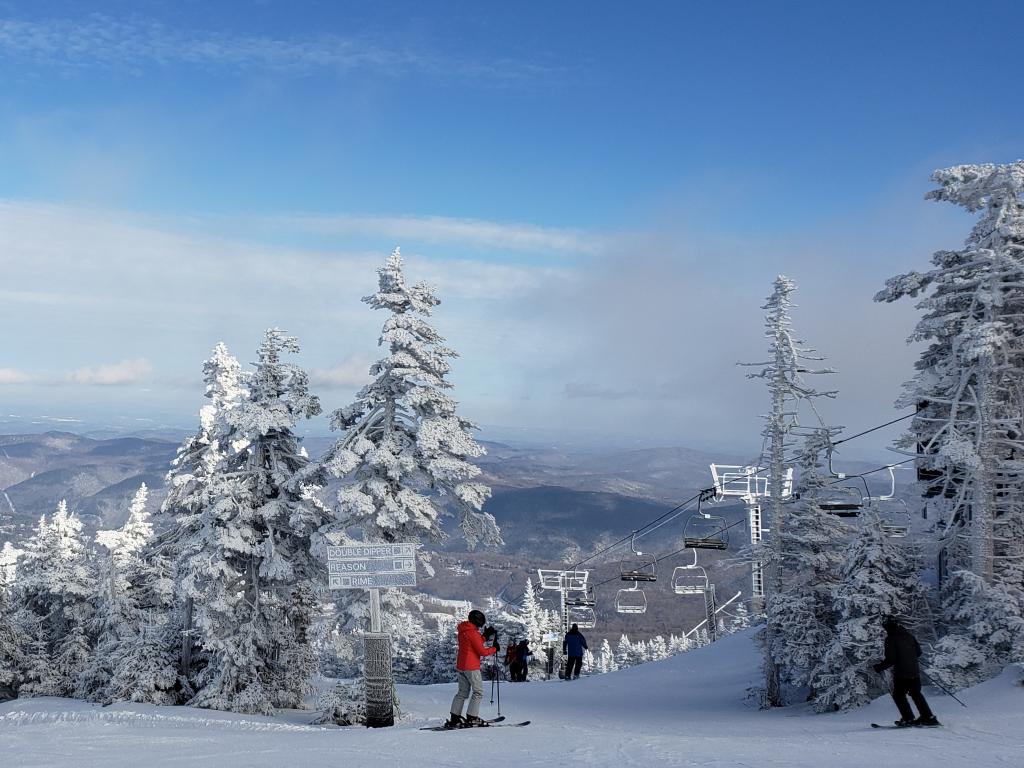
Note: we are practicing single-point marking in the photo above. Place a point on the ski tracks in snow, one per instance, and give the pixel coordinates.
(143, 720)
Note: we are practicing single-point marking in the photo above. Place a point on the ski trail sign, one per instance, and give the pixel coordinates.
(371, 566)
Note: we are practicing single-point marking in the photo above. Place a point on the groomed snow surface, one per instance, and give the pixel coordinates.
(686, 711)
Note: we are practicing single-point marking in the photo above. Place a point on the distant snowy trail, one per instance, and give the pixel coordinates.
(686, 711)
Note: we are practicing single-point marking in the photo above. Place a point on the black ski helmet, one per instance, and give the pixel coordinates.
(477, 617)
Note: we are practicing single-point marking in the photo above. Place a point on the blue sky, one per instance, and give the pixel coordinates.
(601, 192)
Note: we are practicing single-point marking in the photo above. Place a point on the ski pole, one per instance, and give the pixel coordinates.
(494, 665)
(497, 679)
(930, 680)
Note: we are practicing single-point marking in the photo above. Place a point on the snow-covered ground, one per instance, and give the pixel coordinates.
(686, 711)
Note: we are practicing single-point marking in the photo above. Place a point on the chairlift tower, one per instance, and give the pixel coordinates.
(576, 596)
(751, 486)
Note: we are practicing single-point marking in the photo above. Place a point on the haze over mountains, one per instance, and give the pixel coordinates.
(534, 488)
(554, 505)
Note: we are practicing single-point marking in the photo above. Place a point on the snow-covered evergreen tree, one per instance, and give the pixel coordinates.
(404, 454)
(606, 658)
(969, 395)
(740, 619)
(986, 631)
(658, 648)
(254, 543)
(52, 597)
(968, 389)
(9, 555)
(14, 640)
(808, 552)
(784, 372)
(532, 615)
(623, 652)
(134, 658)
(679, 644)
(879, 579)
(196, 476)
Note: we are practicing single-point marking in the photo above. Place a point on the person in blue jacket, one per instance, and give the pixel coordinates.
(573, 647)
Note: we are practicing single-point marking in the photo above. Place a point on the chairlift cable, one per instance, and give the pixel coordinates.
(643, 530)
(875, 429)
(670, 554)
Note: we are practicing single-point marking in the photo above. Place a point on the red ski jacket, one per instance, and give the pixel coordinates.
(471, 647)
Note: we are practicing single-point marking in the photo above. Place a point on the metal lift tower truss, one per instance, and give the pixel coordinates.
(576, 596)
(750, 485)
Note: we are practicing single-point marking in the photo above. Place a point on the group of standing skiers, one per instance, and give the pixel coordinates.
(476, 642)
(901, 655)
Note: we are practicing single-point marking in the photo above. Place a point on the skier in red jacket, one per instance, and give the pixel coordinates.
(467, 666)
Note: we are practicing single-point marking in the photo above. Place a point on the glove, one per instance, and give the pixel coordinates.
(878, 667)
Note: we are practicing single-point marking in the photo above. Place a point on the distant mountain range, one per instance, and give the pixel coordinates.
(553, 505)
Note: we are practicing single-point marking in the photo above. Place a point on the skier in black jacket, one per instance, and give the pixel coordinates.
(901, 653)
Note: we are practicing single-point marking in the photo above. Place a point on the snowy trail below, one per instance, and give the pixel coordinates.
(686, 711)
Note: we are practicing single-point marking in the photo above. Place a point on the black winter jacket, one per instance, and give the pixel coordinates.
(901, 653)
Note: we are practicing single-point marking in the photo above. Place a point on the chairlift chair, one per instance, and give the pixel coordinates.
(582, 616)
(581, 599)
(638, 566)
(631, 600)
(847, 502)
(690, 579)
(704, 531)
(893, 513)
(896, 522)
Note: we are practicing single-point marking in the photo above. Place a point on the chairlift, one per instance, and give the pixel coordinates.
(581, 599)
(690, 579)
(631, 600)
(637, 566)
(893, 513)
(897, 530)
(847, 500)
(582, 616)
(895, 522)
(704, 531)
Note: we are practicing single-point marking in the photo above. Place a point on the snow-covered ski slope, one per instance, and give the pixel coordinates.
(686, 711)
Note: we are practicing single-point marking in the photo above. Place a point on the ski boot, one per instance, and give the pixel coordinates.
(454, 721)
(905, 723)
(472, 721)
(927, 722)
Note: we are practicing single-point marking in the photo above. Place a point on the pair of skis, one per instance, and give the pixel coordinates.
(493, 723)
(902, 727)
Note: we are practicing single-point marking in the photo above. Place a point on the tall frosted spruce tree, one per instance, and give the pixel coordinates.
(250, 563)
(969, 392)
(405, 454)
(784, 372)
(190, 482)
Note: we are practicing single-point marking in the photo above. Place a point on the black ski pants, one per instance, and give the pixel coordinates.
(573, 665)
(901, 687)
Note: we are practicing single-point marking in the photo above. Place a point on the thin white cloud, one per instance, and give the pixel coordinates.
(11, 376)
(103, 41)
(125, 372)
(442, 229)
(348, 374)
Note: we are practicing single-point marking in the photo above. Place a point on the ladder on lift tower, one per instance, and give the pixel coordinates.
(750, 485)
